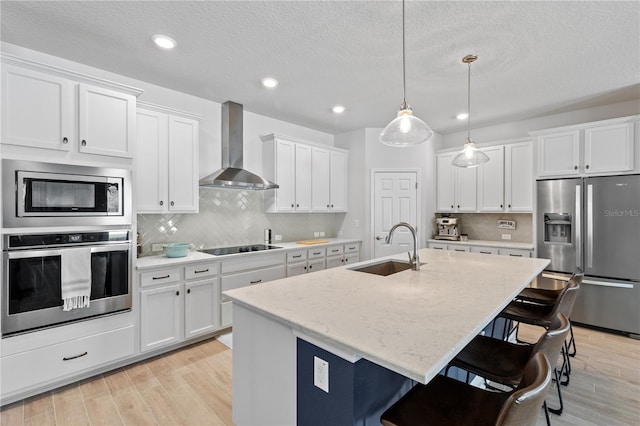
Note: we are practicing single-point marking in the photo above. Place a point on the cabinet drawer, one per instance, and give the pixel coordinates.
(351, 248)
(296, 256)
(251, 261)
(159, 276)
(514, 252)
(484, 250)
(455, 247)
(41, 366)
(437, 246)
(243, 279)
(202, 270)
(316, 253)
(335, 250)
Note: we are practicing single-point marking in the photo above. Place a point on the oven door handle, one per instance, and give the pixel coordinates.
(24, 254)
(110, 247)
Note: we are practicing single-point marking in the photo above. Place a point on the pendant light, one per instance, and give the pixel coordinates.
(406, 129)
(470, 156)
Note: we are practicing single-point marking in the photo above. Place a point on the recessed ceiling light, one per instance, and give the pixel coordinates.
(269, 82)
(462, 116)
(163, 41)
(338, 109)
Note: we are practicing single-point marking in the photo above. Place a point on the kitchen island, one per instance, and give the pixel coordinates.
(377, 333)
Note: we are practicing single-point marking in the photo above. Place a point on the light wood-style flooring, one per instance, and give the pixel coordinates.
(192, 386)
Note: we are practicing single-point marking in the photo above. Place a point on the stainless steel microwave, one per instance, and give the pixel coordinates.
(47, 194)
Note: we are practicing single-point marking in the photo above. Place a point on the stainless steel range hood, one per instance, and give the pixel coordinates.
(232, 175)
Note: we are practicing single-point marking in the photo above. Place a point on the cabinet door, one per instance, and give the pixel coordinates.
(334, 261)
(444, 183)
(338, 181)
(151, 162)
(518, 171)
(491, 181)
(37, 109)
(183, 165)
(107, 121)
(303, 177)
(296, 269)
(320, 180)
(351, 258)
(160, 317)
(558, 154)
(608, 148)
(466, 189)
(285, 176)
(316, 265)
(200, 308)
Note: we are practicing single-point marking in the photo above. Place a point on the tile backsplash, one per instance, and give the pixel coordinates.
(231, 217)
(483, 226)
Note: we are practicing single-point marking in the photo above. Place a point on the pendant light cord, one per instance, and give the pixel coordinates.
(469, 103)
(404, 77)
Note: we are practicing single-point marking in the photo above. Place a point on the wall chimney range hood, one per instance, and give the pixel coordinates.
(232, 174)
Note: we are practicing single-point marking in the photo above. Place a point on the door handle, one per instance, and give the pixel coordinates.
(379, 238)
(578, 226)
(589, 231)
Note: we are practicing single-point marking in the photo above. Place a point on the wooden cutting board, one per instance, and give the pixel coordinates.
(311, 242)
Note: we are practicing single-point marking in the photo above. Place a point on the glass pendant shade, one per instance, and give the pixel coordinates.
(470, 156)
(405, 130)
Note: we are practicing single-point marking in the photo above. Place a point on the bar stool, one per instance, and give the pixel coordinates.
(445, 401)
(543, 296)
(504, 362)
(542, 315)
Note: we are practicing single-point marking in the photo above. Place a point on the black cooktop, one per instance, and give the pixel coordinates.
(238, 249)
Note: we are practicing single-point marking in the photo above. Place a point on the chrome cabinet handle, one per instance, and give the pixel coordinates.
(255, 282)
(200, 272)
(378, 238)
(69, 358)
(84, 142)
(297, 256)
(316, 253)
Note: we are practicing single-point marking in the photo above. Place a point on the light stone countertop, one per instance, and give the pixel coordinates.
(160, 260)
(487, 243)
(410, 322)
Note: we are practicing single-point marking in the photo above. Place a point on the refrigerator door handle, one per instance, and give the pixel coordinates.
(607, 284)
(589, 231)
(578, 226)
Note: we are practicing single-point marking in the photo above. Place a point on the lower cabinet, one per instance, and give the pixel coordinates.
(480, 249)
(177, 304)
(343, 255)
(41, 366)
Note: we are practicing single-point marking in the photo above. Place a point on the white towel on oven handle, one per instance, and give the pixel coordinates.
(76, 278)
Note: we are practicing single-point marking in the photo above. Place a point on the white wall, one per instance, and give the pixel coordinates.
(518, 129)
(367, 153)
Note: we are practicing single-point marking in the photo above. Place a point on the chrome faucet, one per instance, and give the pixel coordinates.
(415, 260)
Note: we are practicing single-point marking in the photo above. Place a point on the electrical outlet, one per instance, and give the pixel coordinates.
(316, 234)
(278, 237)
(321, 374)
(506, 236)
(156, 247)
(322, 233)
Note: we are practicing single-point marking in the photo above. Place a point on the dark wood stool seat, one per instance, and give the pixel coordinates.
(445, 401)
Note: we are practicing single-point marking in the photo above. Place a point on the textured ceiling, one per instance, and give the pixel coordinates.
(534, 57)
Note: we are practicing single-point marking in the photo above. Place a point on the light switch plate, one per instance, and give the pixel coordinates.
(506, 236)
(156, 247)
(316, 234)
(506, 224)
(278, 237)
(321, 374)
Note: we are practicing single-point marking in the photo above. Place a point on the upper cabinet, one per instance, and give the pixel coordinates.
(311, 178)
(592, 148)
(503, 184)
(44, 107)
(166, 160)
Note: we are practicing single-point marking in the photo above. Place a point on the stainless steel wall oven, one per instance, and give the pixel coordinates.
(34, 268)
(46, 194)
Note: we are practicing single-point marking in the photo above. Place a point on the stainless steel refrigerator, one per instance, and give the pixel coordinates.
(594, 223)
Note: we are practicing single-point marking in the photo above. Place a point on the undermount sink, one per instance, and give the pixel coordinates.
(384, 268)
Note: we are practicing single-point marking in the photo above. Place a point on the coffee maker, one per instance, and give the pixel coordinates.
(447, 229)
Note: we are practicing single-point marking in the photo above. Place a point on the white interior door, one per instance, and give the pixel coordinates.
(395, 200)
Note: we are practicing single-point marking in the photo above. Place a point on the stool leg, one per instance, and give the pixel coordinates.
(546, 413)
(572, 341)
(557, 411)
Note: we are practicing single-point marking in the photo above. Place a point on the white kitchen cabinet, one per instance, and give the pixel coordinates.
(42, 109)
(178, 303)
(491, 181)
(514, 252)
(518, 177)
(600, 147)
(484, 250)
(245, 271)
(311, 178)
(456, 187)
(455, 246)
(343, 254)
(167, 161)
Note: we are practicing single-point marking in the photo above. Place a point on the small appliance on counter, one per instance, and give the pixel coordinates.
(447, 229)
